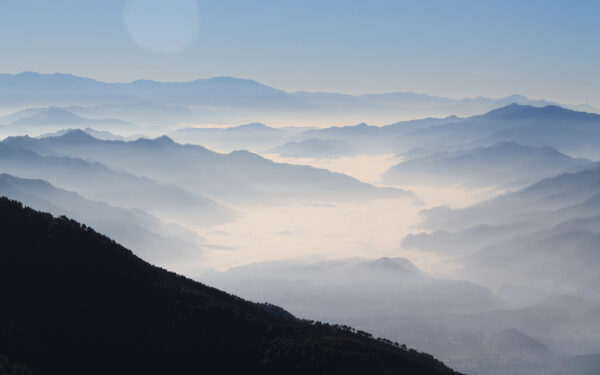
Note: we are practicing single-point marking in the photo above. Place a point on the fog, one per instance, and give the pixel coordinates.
(469, 238)
(328, 230)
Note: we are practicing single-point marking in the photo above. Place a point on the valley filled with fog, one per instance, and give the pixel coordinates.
(321, 230)
(469, 230)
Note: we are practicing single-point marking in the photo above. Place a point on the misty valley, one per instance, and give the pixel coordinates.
(470, 231)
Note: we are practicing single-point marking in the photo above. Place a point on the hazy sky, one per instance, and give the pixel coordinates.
(542, 49)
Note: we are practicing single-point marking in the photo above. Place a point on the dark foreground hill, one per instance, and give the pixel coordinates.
(8, 367)
(76, 302)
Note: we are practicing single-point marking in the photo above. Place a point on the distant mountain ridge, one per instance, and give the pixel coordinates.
(507, 164)
(61, 117)
(568, 131)
(245, 96)
(571, 132)
(104, 135)
(550, 112)
(250, 136)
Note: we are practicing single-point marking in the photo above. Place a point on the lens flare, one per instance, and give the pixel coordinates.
(162, 26)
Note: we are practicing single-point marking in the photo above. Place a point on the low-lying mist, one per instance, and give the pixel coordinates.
(468, 238)
(330, 230)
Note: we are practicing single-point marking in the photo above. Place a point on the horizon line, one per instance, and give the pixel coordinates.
(550, 101)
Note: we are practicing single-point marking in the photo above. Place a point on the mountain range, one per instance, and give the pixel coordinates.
(252, 136)
(508, 164)
(56, 117)
(208, 99)
(98, 182)
(547, 235)
(570, 132)
(239, 176)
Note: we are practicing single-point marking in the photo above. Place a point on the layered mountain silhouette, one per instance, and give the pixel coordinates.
(570, 195)
(504, 163)
(239, 176)
(571, 132)
(147, 236)
(100, 134)
(98, 182)
(221, 99)
(145, 114)
(547, 235)
(373, 139)
(253, 136)
(77, 302)
(60, 117)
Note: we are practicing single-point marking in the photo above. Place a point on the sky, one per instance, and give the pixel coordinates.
(541, 49)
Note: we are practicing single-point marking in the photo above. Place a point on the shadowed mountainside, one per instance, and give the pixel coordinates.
(77, 302)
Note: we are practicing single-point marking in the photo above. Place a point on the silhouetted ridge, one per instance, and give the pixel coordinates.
(164, 140)
(77, 135)
(550, 112)
(253, 126)
(486, 166)
(76, 302)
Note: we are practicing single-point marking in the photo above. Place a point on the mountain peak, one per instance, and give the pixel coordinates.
(50, 79)
(51, 116)
(76, 135)
(511, 109)
(553, 112)
(164, 140)
(252, 126)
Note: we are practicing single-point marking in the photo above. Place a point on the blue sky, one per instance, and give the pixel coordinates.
(542, 49)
